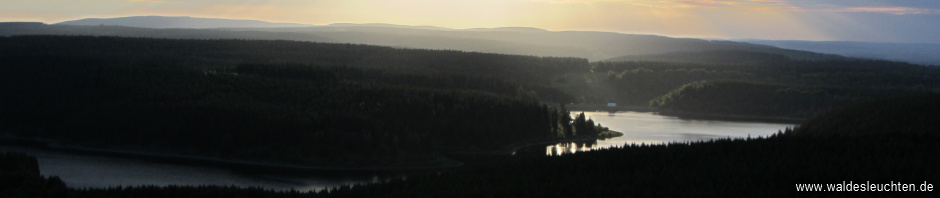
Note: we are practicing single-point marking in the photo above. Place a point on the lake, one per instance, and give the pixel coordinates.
(83, 171)
(652, 128)
(90, 171)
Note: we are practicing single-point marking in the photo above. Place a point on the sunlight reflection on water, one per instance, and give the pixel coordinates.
(651, 128)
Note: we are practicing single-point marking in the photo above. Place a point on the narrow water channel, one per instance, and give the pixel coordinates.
(89, 171)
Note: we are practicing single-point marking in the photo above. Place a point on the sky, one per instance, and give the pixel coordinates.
(910, 21)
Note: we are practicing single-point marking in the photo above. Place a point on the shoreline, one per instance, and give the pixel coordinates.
(48, 145)
(590, 107)
(510, 150)
(732, 117)
(616, 134)
(687, 115)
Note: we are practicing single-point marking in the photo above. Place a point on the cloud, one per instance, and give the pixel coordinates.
(770, 1)
(712, 2)
(573, 1)
(869, 6)
(898, 7)
(152, 1)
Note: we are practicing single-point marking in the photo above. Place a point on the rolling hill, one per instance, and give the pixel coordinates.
(594, 46)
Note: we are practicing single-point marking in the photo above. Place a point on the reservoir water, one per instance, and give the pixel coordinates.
(83, 171)
(90, 171)
(652, 128)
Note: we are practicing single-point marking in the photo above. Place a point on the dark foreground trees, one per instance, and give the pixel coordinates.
(754, 167)
(20, 177)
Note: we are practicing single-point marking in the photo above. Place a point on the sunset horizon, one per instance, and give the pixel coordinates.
(867, 21)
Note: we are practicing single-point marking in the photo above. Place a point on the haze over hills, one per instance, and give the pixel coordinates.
(594, 46)
(918, 53)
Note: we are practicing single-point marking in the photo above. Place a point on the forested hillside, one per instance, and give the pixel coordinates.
(912, 117)
(750, 83)
(278, 101)
(751, 98)
(635, 78)
(526, 73)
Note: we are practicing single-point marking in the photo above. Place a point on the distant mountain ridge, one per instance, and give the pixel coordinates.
(594, 46)
(161, 22)
(727, 57)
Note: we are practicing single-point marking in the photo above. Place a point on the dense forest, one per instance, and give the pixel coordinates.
(225, 55)
(752, 83)
(632, 81)
(735, 97)
(884, 149)
(279, 101)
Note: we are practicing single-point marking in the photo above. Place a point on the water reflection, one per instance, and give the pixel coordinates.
(569, 147)
(652, 128)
